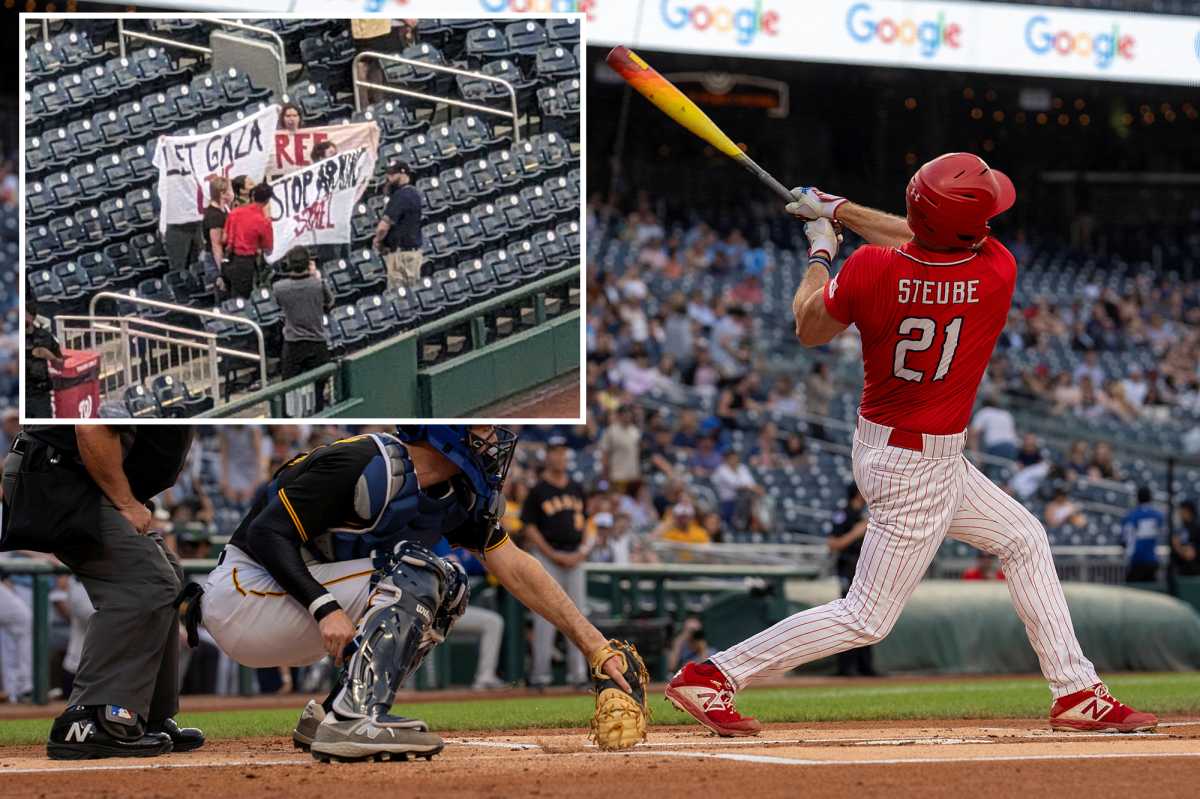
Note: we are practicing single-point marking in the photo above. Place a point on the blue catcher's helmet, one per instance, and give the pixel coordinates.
(483, 459)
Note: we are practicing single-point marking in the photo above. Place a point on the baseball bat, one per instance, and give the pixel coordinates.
(675, 104)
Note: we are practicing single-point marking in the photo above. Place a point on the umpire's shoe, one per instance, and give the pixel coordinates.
(86, 732)
(379, 738)
(183, 739)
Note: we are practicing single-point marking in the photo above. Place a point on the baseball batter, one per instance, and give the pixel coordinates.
(930, 295)
(335, 558)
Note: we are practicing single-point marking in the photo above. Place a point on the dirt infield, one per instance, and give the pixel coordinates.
(980, 759)
(557, 399)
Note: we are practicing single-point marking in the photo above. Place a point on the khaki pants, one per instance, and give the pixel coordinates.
(403, 267)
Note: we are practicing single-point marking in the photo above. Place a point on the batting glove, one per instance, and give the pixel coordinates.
(810, 203)
(823, 239)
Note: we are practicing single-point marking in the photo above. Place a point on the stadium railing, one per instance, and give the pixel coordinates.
(280, 53)
(134, 350)
(425, 65)
(390, 379)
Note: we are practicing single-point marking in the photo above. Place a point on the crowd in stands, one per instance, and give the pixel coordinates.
(9, 377)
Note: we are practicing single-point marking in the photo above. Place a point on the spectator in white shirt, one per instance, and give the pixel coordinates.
(732, 481)
(994, 431)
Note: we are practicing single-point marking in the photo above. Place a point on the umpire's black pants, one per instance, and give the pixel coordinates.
(130, 652)
(299, 357)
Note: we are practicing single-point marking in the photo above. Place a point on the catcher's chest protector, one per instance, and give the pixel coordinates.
(389, 506)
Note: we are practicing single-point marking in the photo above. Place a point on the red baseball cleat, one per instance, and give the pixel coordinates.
(1096, 710)
(701, 691)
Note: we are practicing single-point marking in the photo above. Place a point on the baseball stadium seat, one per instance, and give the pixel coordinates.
(154, 289)
(141, 404)
(140, 160)
(563, 31)
(92, 184)
(138, 120)
(504, 270)
(117, 174)
(528, 259)
(86, 139)
(395, 120)
(454, 288)
(553, 151)
(75, 283)
(469, 234)
(317, 105)
(564, 197)
(103, 272)
(485, 43)
(64, 191)
(475, 135)
(187, 288)
(528, 159)
(71, 240)
(380, 317)
(238, 89)
(553, 63)
(459, 192)
(90, 228)
(418, 152)
(39, 156)
(362, 225)
(113, 220)
(440, 242)
(170, 395)
(444, 141)
(39, 203)
(569, 232)
(481, 282)
(482, 179)
(142, 209)
(541, 207)
(371, 269)
(404, 306)
(343, 282)
(517, 212)
(555, 252)
(492, 224)
(353, 328)
(146, 253)
(431, 302)
(510, 70)
(508, 169)
(525, 37)
(435, 200)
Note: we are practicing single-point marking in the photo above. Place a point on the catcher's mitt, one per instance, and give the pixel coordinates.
(620, 718)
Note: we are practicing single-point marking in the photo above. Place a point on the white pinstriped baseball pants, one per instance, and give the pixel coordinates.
(916, 499)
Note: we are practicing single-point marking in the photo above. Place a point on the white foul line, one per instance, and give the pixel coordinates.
(141, 766)
(792, 761)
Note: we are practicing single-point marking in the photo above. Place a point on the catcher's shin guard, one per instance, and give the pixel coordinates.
(414, 603)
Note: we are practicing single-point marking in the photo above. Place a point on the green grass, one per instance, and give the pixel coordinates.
(1009, 698)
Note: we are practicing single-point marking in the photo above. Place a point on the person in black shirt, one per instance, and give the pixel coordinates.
(553, 519)
(84, 493)
(850, 525)
(41, 351)
(334, 558)
(220, 196)
(1185, 539)
(398, 235)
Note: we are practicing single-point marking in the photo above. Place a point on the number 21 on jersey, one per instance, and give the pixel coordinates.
(926, 328)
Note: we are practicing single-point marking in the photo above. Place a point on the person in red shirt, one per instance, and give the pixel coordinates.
(248, 236)
(984, 569)
(929, 294)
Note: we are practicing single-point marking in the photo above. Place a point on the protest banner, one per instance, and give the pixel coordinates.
(314, 205)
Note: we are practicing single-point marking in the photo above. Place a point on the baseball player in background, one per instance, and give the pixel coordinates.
(335, 558)
(930, 295)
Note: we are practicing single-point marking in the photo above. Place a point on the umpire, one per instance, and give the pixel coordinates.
(304, 299)
(83, 493)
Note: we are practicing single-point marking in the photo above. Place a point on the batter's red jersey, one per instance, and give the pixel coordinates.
(929, 321)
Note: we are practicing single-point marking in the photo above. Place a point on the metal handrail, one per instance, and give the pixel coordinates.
(512, 92)
(195, 48)
(237, 320)
(117, 325)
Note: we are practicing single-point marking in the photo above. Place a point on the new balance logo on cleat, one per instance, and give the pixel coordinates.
(1096, 708)
(80, 731)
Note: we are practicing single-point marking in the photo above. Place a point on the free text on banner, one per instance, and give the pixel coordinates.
(293, 148)
(314, 205)
(186, 163)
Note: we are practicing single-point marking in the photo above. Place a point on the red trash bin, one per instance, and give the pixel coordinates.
(76, 386)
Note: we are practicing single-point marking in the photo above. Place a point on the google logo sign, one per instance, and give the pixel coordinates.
(1106, 47)
(928, 35)
(545, 6)
(747, 21)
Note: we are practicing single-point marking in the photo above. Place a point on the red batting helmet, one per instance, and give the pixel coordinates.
(951, 199)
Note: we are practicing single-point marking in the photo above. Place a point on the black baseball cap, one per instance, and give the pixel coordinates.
(397, 167)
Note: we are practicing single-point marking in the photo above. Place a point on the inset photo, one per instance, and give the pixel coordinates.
(295, 218)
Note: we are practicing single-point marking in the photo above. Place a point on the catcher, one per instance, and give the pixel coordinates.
(335, 558)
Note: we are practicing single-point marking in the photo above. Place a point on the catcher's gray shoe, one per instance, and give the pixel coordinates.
(306, 728)
(379, 738)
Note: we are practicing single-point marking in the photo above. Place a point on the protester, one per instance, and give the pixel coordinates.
(249, 237)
